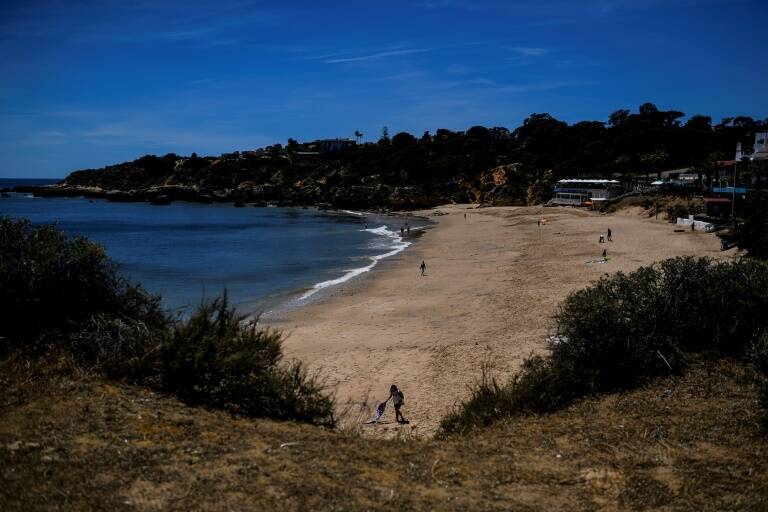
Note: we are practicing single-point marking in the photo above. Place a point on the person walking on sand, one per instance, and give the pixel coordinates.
(604, 255)
(609, 235)
(423, 267)
(398, 399)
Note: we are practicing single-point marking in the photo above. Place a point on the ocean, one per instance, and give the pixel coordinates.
(264, 257)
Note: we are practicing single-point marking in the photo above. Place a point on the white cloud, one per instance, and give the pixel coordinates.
(378, 55)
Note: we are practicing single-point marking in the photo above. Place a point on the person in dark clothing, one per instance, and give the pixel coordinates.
(398, 399)
(609, 235)
(423, 267)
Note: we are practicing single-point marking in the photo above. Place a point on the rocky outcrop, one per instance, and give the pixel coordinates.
(336, 188)
(505, 185)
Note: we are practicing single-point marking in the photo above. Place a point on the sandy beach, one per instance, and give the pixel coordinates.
(493, 281)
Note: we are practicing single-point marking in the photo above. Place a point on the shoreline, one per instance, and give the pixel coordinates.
(366, 247)
(493, 281)
(316, 294)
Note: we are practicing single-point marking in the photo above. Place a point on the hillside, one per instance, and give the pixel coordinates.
(70, 441)
(486, 165)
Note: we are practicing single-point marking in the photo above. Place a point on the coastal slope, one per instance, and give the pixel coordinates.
(494, 278)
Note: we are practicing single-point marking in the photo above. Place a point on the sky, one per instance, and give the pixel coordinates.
(85, 84)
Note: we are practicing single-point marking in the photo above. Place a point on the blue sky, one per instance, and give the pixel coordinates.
(85, 84)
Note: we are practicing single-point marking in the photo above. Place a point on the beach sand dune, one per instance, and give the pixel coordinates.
(493, 281)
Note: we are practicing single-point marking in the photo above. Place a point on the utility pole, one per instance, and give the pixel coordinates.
(733, 200)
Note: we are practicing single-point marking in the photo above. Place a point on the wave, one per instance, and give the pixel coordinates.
(396, 245)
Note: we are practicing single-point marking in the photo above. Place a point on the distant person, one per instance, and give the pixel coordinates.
(408, 230)
(609, 235)
(601, 239)
(423, 267)
(604, 255)
(402, 230)
(398, 399)
(465, 216)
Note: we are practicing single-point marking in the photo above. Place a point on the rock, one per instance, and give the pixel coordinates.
(119, 196)
(160, 200)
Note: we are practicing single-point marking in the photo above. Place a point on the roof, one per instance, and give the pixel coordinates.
(587, 181)
(729, 190)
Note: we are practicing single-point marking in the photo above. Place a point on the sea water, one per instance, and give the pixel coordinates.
(188, 252)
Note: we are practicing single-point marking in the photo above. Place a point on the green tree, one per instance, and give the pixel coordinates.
(403, 139)
(384, 140)
(656, 160)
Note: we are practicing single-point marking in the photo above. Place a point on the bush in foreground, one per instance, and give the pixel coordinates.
(53, 285)
(64, 293)
(216, 359)
(628, 328)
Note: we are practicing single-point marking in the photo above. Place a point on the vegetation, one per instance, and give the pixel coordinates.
(406, 171)
(216, 359)
(64, 294)
(759, 359)
(752, 234)
(680, 443)
(627, 329)
(52, 285)
(677, 210)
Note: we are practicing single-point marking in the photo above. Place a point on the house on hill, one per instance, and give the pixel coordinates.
(336, 145)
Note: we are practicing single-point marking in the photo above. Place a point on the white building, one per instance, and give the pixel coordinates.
(585, 192)
(761, 146)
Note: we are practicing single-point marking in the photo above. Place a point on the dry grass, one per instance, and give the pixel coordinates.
(72, 442)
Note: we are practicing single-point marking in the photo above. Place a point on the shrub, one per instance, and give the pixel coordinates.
(216, 359)
(676, 211)
(52, 285)
(759, 359)
(121, 348)
(752, 234)
(534, 389)
(628, 328)
(62, 291)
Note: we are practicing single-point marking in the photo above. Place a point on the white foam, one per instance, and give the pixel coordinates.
(396, 245)
(359, 214)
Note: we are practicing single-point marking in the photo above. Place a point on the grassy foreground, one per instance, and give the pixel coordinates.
(70, 441)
